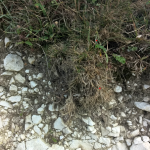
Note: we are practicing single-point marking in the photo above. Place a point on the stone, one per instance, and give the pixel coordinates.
(133, 133)
(37, 130)
(128, 142)
(12, 81)
(60, 125)
(7, 73)
(41, 109)
(118, 89)
(33, 84)
(112, 103)
(146, 99)
(115, 132)
(27, 71)
(13, 62)
(41, 125)
(74, 144)
(45, 129)
(21, 146)
(120, 99)
(19, 78)
(105, 141)
(52, 107)
(113, 117)
(143, 105)
(25, 105)
(142, 146)
(37, 144)
(36, 119)
(97, 145)
(28, 122)
(120, 146)
(5, 104)
(39, 76)
(36, 90)
(137, 140)
(22, 136)
(56, 147)
(24, 90)
(31, 59)
(145, 139)
(6, 41)
(14, 99)
(104, 131)
(1, 89)
(88, 121)
(90, 128)
(13, 88)
(146, 86)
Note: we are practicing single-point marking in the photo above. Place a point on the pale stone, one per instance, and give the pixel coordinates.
(41, 125)
(28, 122)
(60, 125)
(134, 133)
(52, 107)
(137, 140)
(105, 141)
(14, 98)
(36, 119)
(20, 78)
(13, 62)
(104, 131)
(88, 121)
(25, 105)
(7, 73)
(97, 145)
(21, 146)
(12, 81)
(145, 139)
(7, 41)
(56, 147)
(36, 90)
(112, 103)
(41, 109)
(13, 88)
(39, 76)
(120, 146)
(1, 89)
(115, 132)
(33, 84)
(37, 130)
(45, 129)
(5, 104)
(142, 146)
(27, 71)
(31, 59)
(143, 105)
(146, 86)
(22, 136)
(120, 99)
(74, 144)
(113, 117)
(128, 142)
(90, 128)
(118, 89)
(24, 90)
(146, 99)
(37, 144)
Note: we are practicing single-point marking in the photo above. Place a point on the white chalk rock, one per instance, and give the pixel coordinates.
(19, 78)
(31, 59)
(14, 99)
(118, 89)
(88, 121)
(143, 105)
(5, 104)
(36, 119)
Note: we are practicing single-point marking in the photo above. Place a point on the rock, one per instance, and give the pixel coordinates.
(37, 130)
(118, 89)
(120, 146)
(21, 146)
(143, 105)
(14, 99)
(22, 136)
(13, 88)
(115, 132)
(146, 99)
(137, 140)
(105, 141)
(120, 99)
(36, 119)
(104, 131)
(36, 90)
(45, 129)
(1, 89)
(25, 105)
(128, 142)
(142, 146)
(74, 144)
(56, 147)
(5, 104)
(31, 59)
(20, 78)
(7, 41)
(27, 71)
(146, 86)
(113, 117)
(28, 122)
(52, 107)
(41, 125)
(112, 103)
(24, 90)
(12, 81)
(33, 84)
(133, 133)
(145, 139)
(39, 76)
(91, 128)
(13, 62)
(97, 145)
(60, 125)
(37, 144)
(41, 109)
(88, 121)
(7, 73)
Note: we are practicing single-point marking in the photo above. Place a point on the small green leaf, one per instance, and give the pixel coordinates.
(119, 58)
(54, 140)
(101, 47)
(28, 43)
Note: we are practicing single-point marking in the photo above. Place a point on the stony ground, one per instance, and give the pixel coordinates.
(30, 119)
